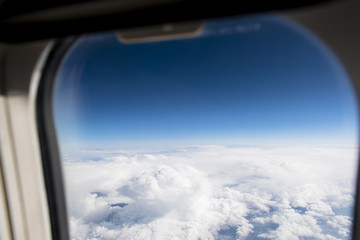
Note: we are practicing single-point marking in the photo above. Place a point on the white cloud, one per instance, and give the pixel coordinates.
(211, 192)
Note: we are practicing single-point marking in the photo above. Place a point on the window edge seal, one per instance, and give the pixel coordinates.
(49, 148)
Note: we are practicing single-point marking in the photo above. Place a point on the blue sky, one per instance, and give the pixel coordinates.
(251, 80)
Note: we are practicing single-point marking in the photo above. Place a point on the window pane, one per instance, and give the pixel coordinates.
(246, 131)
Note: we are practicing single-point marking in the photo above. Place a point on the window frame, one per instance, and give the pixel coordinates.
(24, 187)
(50, 154)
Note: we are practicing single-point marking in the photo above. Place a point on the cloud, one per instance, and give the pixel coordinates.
(211, 192)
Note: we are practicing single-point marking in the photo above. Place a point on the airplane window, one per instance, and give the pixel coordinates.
(247, 130)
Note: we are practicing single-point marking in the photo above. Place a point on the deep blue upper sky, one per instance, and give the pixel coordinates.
(254, 80)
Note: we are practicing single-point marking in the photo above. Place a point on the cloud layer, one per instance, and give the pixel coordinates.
(211, 192)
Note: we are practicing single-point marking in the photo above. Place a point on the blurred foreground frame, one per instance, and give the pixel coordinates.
(36, 20)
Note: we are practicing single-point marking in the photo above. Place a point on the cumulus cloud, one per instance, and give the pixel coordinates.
(211, 192)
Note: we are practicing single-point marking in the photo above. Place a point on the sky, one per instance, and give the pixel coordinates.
(252, 80)
(246, 131)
